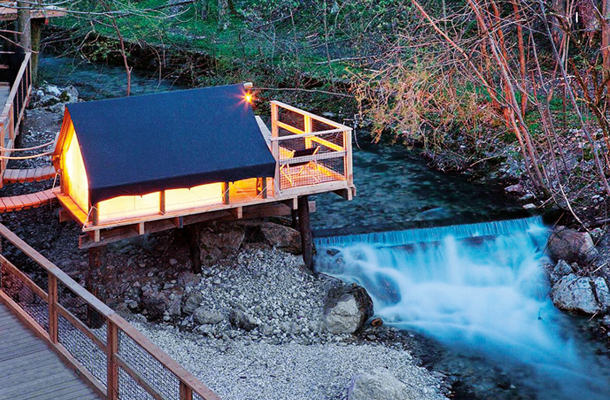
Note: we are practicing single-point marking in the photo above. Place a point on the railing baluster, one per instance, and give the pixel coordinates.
(53, 323)
(112, 348)
(185, 392)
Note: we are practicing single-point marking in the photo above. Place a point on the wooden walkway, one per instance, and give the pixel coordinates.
(29, 174)
(30, 370)
(25, 201)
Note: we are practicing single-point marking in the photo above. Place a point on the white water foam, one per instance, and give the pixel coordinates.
(487, 296)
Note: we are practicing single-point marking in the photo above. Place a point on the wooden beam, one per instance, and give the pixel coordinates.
(306, 236)
(237, 212)
(225, 193)
(162, 202)
(178, 222)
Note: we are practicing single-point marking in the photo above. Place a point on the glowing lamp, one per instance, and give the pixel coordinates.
(249, 97)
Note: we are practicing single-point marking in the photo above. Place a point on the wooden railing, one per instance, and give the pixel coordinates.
(14, 109)
(292, 132)
(116, 360)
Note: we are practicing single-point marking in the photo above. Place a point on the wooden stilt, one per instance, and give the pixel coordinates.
(306, 237)
(193, 233)
(97, 262)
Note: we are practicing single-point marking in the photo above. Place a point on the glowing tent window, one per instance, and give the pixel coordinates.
(75, 173)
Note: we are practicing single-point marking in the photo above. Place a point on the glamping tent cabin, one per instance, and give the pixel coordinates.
(142, 164)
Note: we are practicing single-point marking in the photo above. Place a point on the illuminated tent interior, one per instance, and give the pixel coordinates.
(130, 157)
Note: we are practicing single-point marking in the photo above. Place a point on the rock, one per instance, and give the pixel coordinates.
(188, 279)
(346, 309)
(529, 206)
(155, 303)
(220, 242)
(47, 100)
(516, 189)
(378, 384)
(283, 237)
(570, 245)
(603, 294)
(192, 302)
(205, 316)
(561, 269)
(596, 234)
(52, 90)
(573, 293)
(175, 307)
(69, 95)
(241, 320)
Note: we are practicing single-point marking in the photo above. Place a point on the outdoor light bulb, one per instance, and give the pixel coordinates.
(249, 97)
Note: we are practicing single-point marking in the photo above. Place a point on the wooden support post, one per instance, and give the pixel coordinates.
(225, 193)
(193, 233)
(112, 371)
(185, 392)
(53, 299)
(97, 262)
(306, 237)
(95, 213)
(162, 204)
(261, 187)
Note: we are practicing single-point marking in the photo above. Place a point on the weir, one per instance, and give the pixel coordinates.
(487, 298)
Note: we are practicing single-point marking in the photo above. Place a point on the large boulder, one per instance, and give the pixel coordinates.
(570, 245)
(580, 294)
(283, 237)
(220, 242)
(205, 316)
(346, 309)
(240, 319)
(378, 384)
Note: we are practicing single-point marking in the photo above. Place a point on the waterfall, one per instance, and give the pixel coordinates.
(479, 287)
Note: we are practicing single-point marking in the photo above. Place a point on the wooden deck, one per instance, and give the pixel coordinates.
(29, 369)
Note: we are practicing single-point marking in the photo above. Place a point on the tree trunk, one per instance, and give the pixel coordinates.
(605, 26)
(23, 25)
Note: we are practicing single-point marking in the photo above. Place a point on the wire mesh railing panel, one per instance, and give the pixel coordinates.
(319, 126)
(82, 311)
(83, 349)
(150, 369)
(34, 305)
(311, 160)
(129, 389)
(291, 118)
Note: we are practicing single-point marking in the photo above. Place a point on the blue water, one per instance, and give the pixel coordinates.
(479, 288)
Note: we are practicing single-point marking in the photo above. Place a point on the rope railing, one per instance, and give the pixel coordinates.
(110, 355)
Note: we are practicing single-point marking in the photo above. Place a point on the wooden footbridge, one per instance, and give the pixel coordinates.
(57, 341)
(14, 97)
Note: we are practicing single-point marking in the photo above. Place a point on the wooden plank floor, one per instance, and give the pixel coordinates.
(30, 370)
(25, 201)
(29, 175)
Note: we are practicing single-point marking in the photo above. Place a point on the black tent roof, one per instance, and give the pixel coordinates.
(142, 144)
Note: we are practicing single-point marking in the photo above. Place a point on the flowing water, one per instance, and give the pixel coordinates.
(476, 289)
(479, 288)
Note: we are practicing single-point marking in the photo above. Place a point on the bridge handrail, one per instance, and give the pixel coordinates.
(14, 108)
(120, 373)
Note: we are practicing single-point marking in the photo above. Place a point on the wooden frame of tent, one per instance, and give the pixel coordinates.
(292, 130)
